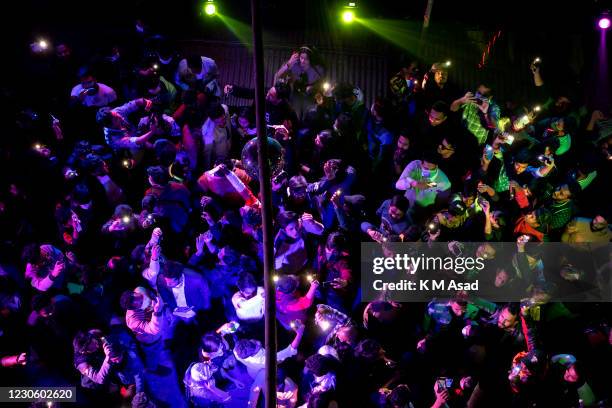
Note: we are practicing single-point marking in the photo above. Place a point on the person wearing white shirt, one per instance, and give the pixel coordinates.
(252, 354)
(249, 301)
(92, 93)
(423, 181)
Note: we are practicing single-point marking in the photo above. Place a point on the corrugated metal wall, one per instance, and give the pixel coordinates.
(367, 62)
(235, 63)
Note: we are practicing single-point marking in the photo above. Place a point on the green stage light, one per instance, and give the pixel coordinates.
(348, 16)
(210, 9)
(348, 13)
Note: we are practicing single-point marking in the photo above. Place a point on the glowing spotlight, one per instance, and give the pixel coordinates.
(348, 16)
(210, 9)
(604, 22)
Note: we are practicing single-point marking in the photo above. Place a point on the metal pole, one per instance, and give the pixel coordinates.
(266, 203)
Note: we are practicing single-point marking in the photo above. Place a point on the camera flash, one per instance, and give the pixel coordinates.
(432, 226)
(126, 163)
(126, 219)
(43, 44)
(155, 66)
(325, 325)
(537, 108)
(37, 146)
(309, 277)
(537, 59)
(510, 139)
(326, 86)
(275, 278)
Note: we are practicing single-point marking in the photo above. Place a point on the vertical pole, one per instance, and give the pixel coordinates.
(266, 195)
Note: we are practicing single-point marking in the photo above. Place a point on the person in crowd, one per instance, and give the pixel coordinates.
(141, 228)
(91, 93)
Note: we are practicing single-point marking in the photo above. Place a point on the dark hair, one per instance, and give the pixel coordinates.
(40, 301)
(246, 348)
(514, 308)
(336, 241)
(326, 137)
(400, 396)
(430, 157)
(400, 202)
(368, 350)
(159, 175)
(172, 270)
(81, 342)
(247, 112)
(343, 90)
(319, 365)
(81, 194)
(194, 60)
(287, 284)
(127, 300)
(31, 254)
(85, 71)
(442, 107)
(211, 342)
(104, 117)
(523, 156)
(245, 281)
(216, 111)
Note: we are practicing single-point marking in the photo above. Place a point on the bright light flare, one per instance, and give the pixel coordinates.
(210, 9)
(348, 16)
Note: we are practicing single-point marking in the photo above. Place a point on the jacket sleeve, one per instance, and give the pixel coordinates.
(98, 376)
(149, 327)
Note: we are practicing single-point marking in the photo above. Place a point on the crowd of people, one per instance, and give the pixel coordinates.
(131, 257)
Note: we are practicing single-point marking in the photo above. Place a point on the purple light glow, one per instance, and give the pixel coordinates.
(604, 23)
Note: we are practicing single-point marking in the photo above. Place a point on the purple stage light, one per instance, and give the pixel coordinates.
(604, 23)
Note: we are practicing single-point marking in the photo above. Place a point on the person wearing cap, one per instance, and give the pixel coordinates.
(436, 86)
(290, 304)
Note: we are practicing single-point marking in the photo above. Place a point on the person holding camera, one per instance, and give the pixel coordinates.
(91, 93)
(480, 112)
